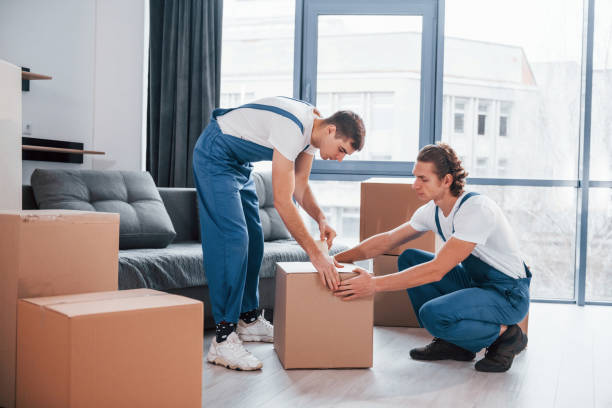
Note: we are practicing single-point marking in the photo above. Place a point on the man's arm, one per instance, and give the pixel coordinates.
(451, 254)
(379, 244)
(304, 196)
(283, 182)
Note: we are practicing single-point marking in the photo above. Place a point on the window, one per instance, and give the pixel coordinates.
(459, 122)
(483, 110)
(459, 125)
(482, 121)
(502, 167)
(503, 126)
(544, 222)
(481, 166)
(497, 52)
(504, 113)
(257, 57)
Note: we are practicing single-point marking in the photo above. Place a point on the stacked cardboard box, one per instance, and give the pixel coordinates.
(386, 204)
(315, 329)
(132, 348)
(46, 253)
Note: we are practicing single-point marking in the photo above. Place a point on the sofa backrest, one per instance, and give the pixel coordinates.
(271, 222)
(182, 206)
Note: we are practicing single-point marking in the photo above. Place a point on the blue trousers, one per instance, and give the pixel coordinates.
(232, 237)
(470, 303)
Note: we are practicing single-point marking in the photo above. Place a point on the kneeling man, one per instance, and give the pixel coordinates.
(472, 294)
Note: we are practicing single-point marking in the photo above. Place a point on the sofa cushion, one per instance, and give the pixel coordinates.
(271, 222)
(144, 221)
(180, 264)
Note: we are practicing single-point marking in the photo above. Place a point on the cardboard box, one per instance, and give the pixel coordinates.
(392, 308)
(47, 253)
(386, 204)
(315, 329)
(132, 348)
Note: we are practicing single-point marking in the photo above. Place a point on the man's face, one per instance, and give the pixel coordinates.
(333, 148)
(427, 184)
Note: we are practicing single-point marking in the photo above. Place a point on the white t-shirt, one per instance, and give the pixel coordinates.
(271, 129)
(481, 221)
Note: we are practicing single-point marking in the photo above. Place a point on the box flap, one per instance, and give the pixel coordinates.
(32, 216)
(307, 267)
(110, 302)
(389, 180)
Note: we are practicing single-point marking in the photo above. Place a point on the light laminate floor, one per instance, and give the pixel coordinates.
(568, 363)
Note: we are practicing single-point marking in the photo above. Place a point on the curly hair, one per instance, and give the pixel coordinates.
(445, 161)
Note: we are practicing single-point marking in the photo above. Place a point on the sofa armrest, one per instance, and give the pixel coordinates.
(182, 206)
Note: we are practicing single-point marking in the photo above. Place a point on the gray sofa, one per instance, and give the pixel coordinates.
(177, 267)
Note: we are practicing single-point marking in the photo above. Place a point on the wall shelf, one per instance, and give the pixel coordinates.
(32, 76)
(59, 150)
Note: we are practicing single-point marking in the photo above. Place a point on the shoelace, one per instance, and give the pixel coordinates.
(264, 321)
(238, 347)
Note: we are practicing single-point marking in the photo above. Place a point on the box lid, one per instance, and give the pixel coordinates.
(109, 302)
(70, 216)
(389, 180)
(307, 267)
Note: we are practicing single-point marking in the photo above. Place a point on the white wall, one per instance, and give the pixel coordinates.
(94, 51)
(10, 136)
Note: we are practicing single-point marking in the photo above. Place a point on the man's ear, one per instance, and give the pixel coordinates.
(331, 129)
(448, 180)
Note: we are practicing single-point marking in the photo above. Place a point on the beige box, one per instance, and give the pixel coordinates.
(47, 253)
(386, 204)
(315, 329)
(392, 308)
(132, 348)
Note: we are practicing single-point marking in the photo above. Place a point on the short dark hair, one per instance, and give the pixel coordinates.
(348, 126)
(445, 162)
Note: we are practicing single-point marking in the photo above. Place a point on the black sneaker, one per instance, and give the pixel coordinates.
(499, 355)
(440, 349)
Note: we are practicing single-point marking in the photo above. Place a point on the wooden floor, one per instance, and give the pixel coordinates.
(568, 363)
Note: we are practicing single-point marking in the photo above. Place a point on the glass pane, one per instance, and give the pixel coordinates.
(372, 65)
(544, 221)
(518, 65)
(257, 57)
(599, 253)
(340, 201)
(601, 114)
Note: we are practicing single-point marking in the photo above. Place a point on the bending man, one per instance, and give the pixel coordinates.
(288, 132)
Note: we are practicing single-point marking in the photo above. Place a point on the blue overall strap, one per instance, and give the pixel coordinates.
(274, 109)
(465, 197)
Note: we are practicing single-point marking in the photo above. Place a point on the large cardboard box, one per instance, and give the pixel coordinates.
(315, 329)
(132, 348)
(386, 204)
(47, 253)
(392, 308)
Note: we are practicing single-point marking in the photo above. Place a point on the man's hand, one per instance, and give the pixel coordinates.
(327, 232)
(357, 287)
(326, 266)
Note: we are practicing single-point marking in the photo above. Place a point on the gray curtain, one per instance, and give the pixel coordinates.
(184, 84)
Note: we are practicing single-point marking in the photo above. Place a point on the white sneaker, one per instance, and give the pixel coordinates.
(232, 354)
(259, 330)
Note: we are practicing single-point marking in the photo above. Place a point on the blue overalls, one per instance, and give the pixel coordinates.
(232, 237)
(468, 305)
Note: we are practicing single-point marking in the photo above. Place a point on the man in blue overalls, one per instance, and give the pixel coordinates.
(288, 132)
(472, 294)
